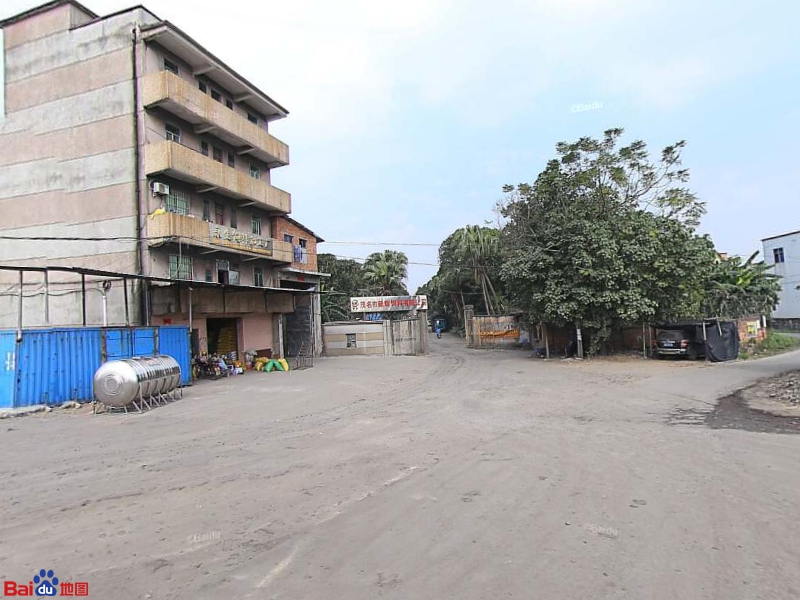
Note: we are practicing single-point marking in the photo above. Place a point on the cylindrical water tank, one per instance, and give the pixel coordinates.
(118, 382)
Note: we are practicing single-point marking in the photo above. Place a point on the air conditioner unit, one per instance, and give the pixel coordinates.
(159, 188)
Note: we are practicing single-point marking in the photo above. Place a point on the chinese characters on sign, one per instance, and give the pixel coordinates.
(227, 236)
(388, 303)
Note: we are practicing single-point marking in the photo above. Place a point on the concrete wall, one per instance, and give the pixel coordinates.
(789, 307)
(406, 337)
(66, 152)
(369, 338)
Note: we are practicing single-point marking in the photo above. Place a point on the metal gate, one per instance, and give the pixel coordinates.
(404, 337)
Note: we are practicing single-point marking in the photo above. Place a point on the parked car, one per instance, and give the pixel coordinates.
(680, 342)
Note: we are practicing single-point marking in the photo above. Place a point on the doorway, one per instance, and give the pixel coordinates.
(223, 337)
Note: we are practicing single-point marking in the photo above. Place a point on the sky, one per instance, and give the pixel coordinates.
(407, 118)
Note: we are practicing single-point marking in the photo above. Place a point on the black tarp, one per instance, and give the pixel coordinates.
(722, 340)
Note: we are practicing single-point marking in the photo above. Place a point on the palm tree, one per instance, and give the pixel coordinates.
(386, 272)
(479, 248)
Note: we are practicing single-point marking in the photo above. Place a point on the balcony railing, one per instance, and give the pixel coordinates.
(182, 98)
(193, 231)
(190, 165)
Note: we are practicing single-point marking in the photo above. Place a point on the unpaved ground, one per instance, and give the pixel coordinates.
(464, 475)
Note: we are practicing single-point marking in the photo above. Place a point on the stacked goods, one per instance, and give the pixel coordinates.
(226, 343)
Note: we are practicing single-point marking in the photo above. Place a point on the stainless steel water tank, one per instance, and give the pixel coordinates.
(119, 382)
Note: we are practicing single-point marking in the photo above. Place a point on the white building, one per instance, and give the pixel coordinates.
(783, 253)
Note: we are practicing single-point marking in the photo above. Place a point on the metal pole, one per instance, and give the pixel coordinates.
(190, 310)
(19, 312)
(546, 341)
(644, 342)
(125, 291)
(83, 296)
(46, 298)
(105, 308)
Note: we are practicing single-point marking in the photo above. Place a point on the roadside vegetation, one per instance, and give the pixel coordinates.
(604, 237)
(775, 343)
(383, 273)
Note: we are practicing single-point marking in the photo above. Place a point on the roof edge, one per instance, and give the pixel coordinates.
(303, 227)
(775, 237)
(169, 25)
(44, 8)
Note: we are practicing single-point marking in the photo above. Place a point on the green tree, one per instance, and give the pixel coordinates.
(737, 289)
(605, 237)
(346, 281)
(385, 273)
(469, 273)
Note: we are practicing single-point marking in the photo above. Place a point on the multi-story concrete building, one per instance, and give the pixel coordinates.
(782, 252)
(133, 149)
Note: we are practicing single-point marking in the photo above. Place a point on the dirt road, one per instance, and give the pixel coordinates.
(463, 475)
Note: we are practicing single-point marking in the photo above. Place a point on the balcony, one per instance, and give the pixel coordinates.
(180, 162)
(171, 227)
(181, 98)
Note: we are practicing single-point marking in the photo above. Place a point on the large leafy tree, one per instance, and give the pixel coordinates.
(385, 273)
(605, 236)
(737, 289)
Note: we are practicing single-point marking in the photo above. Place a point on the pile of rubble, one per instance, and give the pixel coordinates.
(785, 388)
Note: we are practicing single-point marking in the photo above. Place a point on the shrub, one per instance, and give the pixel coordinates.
(778, 341)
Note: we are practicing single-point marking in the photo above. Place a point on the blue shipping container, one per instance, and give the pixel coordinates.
(52, 366)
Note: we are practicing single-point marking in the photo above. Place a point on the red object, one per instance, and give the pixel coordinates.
(167, 321)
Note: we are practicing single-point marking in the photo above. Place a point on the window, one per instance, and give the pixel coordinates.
(255, 224)
(204, 148)
(219, 214)
(171, 66)
(217, 154)
(351, 340)
(233, 277)
(216, 95)
(203, 87)
(255, 172)
(288, 238)
(303, 243)
(234, 220)
(258, 276)
(252, 118)
(231, 160)
(177, 201)
(777, 254)
(300, 254)
(180, 267)
(206, 210)
(209, 277)
(173, 134)
(229, 103)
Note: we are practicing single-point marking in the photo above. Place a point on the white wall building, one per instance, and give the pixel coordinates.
(783, 253)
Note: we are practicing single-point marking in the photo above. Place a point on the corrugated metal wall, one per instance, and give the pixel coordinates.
(52, 366)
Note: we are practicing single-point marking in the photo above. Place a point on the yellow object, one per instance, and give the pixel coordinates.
(284, 364)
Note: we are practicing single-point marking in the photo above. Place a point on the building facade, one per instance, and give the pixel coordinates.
(782, 252)
(126, 146)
